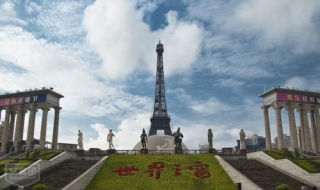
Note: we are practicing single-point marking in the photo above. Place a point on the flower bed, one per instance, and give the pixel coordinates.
(161, 172)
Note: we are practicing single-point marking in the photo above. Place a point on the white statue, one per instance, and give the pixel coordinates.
(242, 140)
(80, 140)
(110, 138)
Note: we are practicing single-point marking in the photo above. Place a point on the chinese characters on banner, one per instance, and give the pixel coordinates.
(298, 98)
(154, 170)
(35, 98)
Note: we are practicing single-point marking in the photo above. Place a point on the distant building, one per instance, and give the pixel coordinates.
(286, 139)
(254, 142)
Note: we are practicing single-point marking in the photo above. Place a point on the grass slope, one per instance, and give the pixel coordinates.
(106, 178)
(304, 163)
(43, 154)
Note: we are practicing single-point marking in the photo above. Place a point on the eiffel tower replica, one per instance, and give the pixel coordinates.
(160, 119)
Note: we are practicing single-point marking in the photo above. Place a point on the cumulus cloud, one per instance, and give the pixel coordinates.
(209, 107)
(127, 134)
(297, 82)
(282, 23)
(8, 14)
(127, 44)
(7, 9)
(129, 131)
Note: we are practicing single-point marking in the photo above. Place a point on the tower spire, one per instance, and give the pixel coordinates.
(160, 118)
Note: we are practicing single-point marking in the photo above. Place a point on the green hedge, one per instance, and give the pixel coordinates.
(283, 187)
(107, 179)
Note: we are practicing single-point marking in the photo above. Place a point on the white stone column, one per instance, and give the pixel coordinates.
(11, 125)
(32, 118)
(267, 127)
(303, 144)
(278, 108)
(317, 118)
(43, 131)
(306, 129)
(5, 132)
(19, 129)
(55, 128)
(293, 127)
(299, 137)
(313, 131)
(22, 124)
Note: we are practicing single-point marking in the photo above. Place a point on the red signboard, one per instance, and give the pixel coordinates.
(289, 97)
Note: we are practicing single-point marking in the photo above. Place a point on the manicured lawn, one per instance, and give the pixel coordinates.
(177, 172)
(303, 163)
(45, 154)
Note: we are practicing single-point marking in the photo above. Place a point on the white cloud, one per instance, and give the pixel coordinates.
(209, 107)
(129, 131)
(297, 82)
(282, 23)
(126, 43)
(127, 134)
(8, 14)
(7, 9)
(230, 82)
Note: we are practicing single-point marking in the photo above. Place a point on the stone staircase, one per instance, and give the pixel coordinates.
(63, 174)
(264, 176)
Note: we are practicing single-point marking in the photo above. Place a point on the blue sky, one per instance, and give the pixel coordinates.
(218, 57)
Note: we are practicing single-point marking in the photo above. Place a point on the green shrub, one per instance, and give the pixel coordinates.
(40, 187)
(283, 187)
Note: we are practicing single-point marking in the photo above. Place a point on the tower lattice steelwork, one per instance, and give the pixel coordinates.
(160, 119)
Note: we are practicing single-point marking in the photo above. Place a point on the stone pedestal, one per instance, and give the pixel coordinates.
(111, 151)
(79, 152)
(243, 151)
(178, 150)
(212, 151)
(144, 151)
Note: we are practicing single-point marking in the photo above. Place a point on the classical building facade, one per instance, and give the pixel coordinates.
(307, 104)
(16, 105)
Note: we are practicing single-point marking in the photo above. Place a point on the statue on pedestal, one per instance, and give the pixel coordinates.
(177, 139)
(110, 139)
(210, 135)
(80, 140)
(144, 139)
(242, 140)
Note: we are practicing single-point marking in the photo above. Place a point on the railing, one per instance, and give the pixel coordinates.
(105, 152)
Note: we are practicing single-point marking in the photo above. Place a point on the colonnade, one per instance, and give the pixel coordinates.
(14, 119)
(309, 133)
